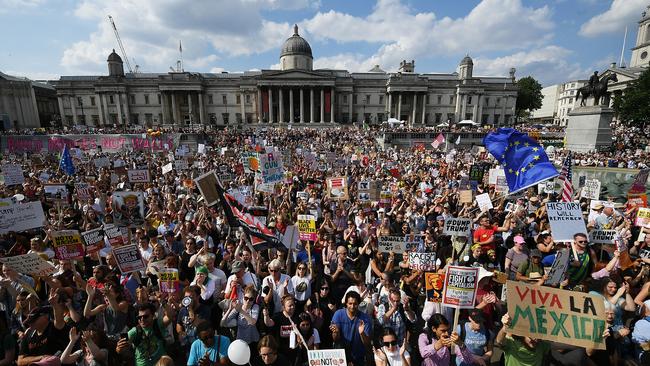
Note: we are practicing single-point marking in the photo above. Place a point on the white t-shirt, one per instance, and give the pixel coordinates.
(277, 289)
(297, 282)
(394, 359)
(248, 279)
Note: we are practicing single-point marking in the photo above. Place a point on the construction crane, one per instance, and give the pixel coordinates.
(119, 42)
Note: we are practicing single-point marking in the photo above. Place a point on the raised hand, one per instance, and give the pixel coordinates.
(362, 326)
(74, 335)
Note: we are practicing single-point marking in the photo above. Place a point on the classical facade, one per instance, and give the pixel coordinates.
(296, 93)
(25, 103)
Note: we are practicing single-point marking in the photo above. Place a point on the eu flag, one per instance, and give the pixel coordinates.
(523, 159)
(66, 162)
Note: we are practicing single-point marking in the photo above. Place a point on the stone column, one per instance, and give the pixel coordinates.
(424, 107)
(61, 110)
(127, 113)
(480, 109)
(242, 103)
(270, 105)
(98, 98)
(475, 115)
(259, 105)
(322, 105)
(190, 107)
(280, 106)
(302, 106)
(399, 107)
(174, 117)
(163, 106)
(390, 105)
(107, 115)
(311, 105)
(415, 106)
(332, 104)
(351, 96)
(291, 117)
(503, 109)
(73, 105)
(457, 110)
(119, 109)
(201, 109)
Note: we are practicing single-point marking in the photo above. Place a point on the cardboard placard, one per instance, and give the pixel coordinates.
(181, 164)
(13, 174)
(94, 240)
(602, 236)
(337, 188)
(460, 287)
(102, 162)
(21, 217)
(559, 267)
(128, 258)
(551, 314)
(207, 184)
(434, 284)
(128, 208)
(56, 192)
(566, 220)
(83, 191)
(307, 227)
(167, 168)
(271, 167)
(484, 202)
(591, 190)
(139, 176)
(327, 357)
(67, 244)
(399, 243)
(465, 196)
(114, 236)
(457, 226)
(30, 264)
(422, 261)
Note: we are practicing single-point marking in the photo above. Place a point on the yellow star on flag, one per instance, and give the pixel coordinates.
(523, 170)
(510, 170)
(517, 173)
(535, 149)
(526, 144)
(536, 157)
(517, 143)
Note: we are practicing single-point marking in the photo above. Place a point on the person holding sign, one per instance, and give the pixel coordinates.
(520, 350)
(391, 354)
(436, 343)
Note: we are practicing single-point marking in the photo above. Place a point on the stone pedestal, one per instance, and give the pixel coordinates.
(588, 129)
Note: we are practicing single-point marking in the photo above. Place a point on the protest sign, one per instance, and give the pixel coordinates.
(385, 197)
(83, 191)
(457, 226)
(56, 192)
(551, 314)
(21, 217)
(7, 201)
(327, 357)
(128, 258)
(602, 236)
(102, 162)
(114, 235)
(642, 217)
(94, 240)
(501, 185)
(207, 184)
(271, 167)
(290, 237)
(128, 208)
(302, 195)
(460, 287)
(591, 190)
(307, 227)
(67, 244)
(337, 188)
(566, 220)
(168, 280)
(181, 164)
(30, 264)
(399, 243)
(139, 176)
(559, 267)
(434, 284)
(250, 161)
(465, 196)
(13, 174)
(494, 174)
(167, 168)
(645, 253)
(484, 202)
(422, 261)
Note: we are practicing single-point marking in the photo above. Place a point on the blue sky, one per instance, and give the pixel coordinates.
(553, 40)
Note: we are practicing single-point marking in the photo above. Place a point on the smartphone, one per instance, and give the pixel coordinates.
(124, 335)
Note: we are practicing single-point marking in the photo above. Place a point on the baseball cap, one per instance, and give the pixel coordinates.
(519, 239)
(237, 266)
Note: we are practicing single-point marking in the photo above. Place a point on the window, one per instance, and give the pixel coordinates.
(210, 100)
(497, 117)
(110, 99)
(213, 118)
(451, 99)
(354, 99)
(487, 101)
(380, 116)
(238, 117)
(498, 102)
(367, 98)
(134, 119)
(427, 99)
(238, 98)
(439, 99)
(438, 117)
(92, 101)
(381, 99)
(468, 116)
(507, 118)
(484, 118)
(248, 99)
(146, 99)
(80, 102)
(148, 118)
(132, 98)
(224, 99)
(225, 117)
(469, 99)
(95, 119)
(451, 117)
(570, 100)
(159, 99)
(345, 99)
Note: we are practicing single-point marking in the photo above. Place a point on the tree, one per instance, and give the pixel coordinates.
(633, 106)
(529, 96)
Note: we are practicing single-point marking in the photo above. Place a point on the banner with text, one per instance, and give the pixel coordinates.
(21, 217)
(399, 243)
(454, 226)
(67, 244)
(30, 264)
(128, 258)
(460, 287)
(422, 261)
(566, 220)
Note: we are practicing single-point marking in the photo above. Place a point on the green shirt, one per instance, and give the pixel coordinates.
(148, 347)
(517, 354)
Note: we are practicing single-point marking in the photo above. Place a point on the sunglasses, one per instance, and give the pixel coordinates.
(273, 270)
(390, 344)
(143, 317)
(324, 288)
(582, 242)
(248, 298)
(302, 268)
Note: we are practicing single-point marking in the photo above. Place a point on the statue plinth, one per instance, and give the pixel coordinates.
(588, 128)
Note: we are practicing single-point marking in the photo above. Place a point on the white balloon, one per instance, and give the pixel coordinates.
(239, 353)
(466, 258)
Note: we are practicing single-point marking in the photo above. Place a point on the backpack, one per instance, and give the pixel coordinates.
(156, 332)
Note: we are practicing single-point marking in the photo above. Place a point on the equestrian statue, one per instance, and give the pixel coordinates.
(596, 87)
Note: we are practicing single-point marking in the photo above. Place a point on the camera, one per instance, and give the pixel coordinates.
(187, 301)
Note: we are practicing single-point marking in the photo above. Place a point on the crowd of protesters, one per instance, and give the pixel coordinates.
(338, 292)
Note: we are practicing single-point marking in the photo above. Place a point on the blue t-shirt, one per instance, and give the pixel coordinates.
(474, 341)
(198, 350)
(349, 330)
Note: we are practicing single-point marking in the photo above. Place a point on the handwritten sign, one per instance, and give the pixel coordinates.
(128, 258)
(399, 243)
(591, 190)
(67, 244)
(94, 240)
(21, 217)
(465, 196)
(167, 168)
(13, 174)
(102, 162)
(460, 287)
(559, 267)
(566, 220)
(271, 167)
(454, 226)
(139, 176)
(484, 202)
(307, 227)
(181, 164)
(422, 261)
(30, 264)
(327, 357)
(602, 236)
(434, 284)
(551, 314)
(56, 192)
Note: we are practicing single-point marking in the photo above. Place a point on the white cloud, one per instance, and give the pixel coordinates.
(7, 6)
(493, 25)
(32, 75)
(350, 62)
(619, 14)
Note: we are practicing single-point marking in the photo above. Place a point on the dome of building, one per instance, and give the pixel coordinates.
(467, 61)
(114, 57)
(296, 45)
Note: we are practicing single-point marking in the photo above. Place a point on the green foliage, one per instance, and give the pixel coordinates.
(529, 96)
(633, 107)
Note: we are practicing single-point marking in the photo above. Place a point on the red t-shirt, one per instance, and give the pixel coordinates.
(482, 234)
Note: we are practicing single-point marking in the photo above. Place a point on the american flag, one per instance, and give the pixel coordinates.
(439, 140)
(565, 177)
